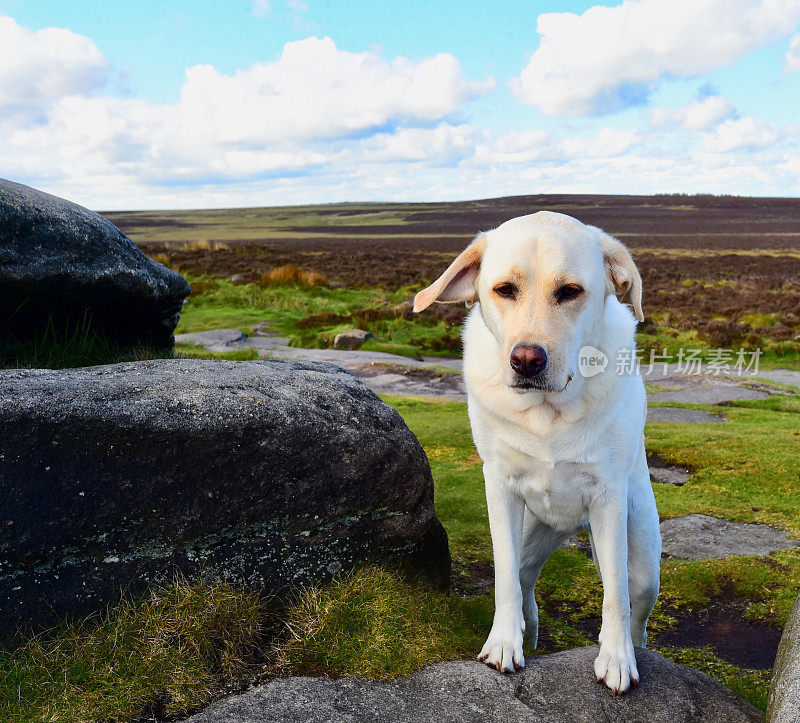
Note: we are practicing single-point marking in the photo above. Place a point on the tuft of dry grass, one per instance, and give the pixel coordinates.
(188, 643)
(375, 624)
(204, 286)
(161, 258)
(292, 274)
(204, 245)
(177, 648)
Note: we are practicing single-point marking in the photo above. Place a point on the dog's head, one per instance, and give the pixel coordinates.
(542, 282)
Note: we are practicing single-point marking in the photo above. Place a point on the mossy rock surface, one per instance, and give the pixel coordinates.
(267, 474)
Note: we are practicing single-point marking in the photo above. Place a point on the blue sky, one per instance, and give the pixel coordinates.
(196, 104)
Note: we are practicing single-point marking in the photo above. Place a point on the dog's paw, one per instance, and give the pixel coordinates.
(503, 648)
(616, 666)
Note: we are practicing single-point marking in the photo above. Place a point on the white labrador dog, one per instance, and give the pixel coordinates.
(562, 450)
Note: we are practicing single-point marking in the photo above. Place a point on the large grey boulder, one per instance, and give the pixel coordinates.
(270, 474)
(558, 687)
(61, 261)
(784, 692)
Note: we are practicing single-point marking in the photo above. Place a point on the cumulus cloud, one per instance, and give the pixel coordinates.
(792, 61)
(315, 90)
(539, 145)
(608, 59)
(319, 123)
(743, 134)
(314, 105)
(699, 115)
(37, 68)
(445, 145)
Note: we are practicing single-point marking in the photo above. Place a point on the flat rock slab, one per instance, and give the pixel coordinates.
(558, 687)
(278, 348)
(660, 373)
(681, 416)
(690, 389)
(382, 372)
(269, 474)
(782, 376)
(416, 381)
(214, 339)
(669, 475)
(666, 473)
(703, 389)
(697, 537)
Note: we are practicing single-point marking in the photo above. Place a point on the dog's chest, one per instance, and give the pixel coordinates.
(556, 493)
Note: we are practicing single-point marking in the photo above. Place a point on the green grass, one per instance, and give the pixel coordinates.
(186, 645)
(374, 624)
(299, 313)
(223, 304)
(192, 351)
(752, 685)
(175, 647)
(61, 348)
(746, 469)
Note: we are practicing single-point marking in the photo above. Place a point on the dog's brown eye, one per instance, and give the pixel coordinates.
(507, 290)
(568, 291)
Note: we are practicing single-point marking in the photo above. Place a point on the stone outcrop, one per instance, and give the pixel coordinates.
(64, 265)
(557, 687)
(784, 692)
(271, 474)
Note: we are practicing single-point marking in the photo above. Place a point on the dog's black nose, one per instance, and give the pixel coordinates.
(527, 361)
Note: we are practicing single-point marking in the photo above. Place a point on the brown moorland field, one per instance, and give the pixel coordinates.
(725, 268)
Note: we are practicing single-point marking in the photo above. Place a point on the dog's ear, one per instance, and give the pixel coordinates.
(622, 276)
(458, 282)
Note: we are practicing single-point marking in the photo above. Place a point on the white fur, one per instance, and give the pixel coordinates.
(559, 461)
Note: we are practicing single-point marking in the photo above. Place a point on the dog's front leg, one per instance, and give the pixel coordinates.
(503, 648)
(616, 663)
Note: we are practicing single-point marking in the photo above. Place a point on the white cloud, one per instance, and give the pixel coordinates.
(316, 105)
(792, 61)
(699, 115)
(297, 6)
(744, 134)
(319, 124)
(38, 68)
(445, 145)
(261, 8)
(608, 59)
(314, 91)
(542, 146)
